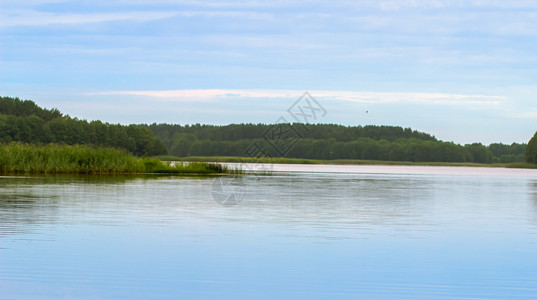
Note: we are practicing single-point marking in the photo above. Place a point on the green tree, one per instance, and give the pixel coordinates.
(531, 150)
(479, 153)
(182, 144)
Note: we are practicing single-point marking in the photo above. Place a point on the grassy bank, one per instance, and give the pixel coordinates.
(279, 160)
(235, 159)
(78, 159)
(520, 165)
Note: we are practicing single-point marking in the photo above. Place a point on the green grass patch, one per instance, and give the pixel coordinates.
(80, 159)
(236, 159)
(433, 164)
(522, 165)
(408, 163)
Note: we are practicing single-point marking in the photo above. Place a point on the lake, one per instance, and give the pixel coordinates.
(304, 232)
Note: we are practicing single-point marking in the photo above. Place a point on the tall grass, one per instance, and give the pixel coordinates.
(79, 159)
(153, 165)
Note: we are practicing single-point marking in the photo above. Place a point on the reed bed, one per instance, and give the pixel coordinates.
(81, 159)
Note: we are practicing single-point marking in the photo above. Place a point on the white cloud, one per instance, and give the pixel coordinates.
(28, 3)
(202, 94)
(27, 17)
(213, 4)
(34, 18)
(440, 4)
(399, 4)
(470, 101)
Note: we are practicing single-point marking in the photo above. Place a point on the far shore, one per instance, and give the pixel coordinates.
(280, 160)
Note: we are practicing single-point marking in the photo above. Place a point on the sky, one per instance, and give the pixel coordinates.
(463, 71)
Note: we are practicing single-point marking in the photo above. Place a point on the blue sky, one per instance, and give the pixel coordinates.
(464, 71)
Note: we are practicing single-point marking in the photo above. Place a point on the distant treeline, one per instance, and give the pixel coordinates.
(235, 132)
(327, 141)
(24, 121)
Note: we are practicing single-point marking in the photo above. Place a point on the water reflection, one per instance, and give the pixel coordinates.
(532, 191)
(295, 235)
(368, 202)
(343, 200)
(28, 202)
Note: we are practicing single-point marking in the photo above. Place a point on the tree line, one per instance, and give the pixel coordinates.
(327, 141)
(235, 132)
(24, 121)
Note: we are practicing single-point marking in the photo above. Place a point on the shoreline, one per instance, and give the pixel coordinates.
(234, 159)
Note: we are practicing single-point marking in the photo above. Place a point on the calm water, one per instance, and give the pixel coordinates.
(305, 232)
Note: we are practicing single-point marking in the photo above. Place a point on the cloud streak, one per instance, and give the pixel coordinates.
(214, 95)
(34, 18)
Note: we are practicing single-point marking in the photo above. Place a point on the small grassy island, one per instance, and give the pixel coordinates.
(19, 158)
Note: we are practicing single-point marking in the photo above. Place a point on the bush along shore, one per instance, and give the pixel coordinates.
(19, 158)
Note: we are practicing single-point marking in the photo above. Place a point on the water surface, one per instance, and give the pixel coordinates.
(372, 232)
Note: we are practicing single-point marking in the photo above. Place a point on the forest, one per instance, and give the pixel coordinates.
(24, 121)
(327, 141)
